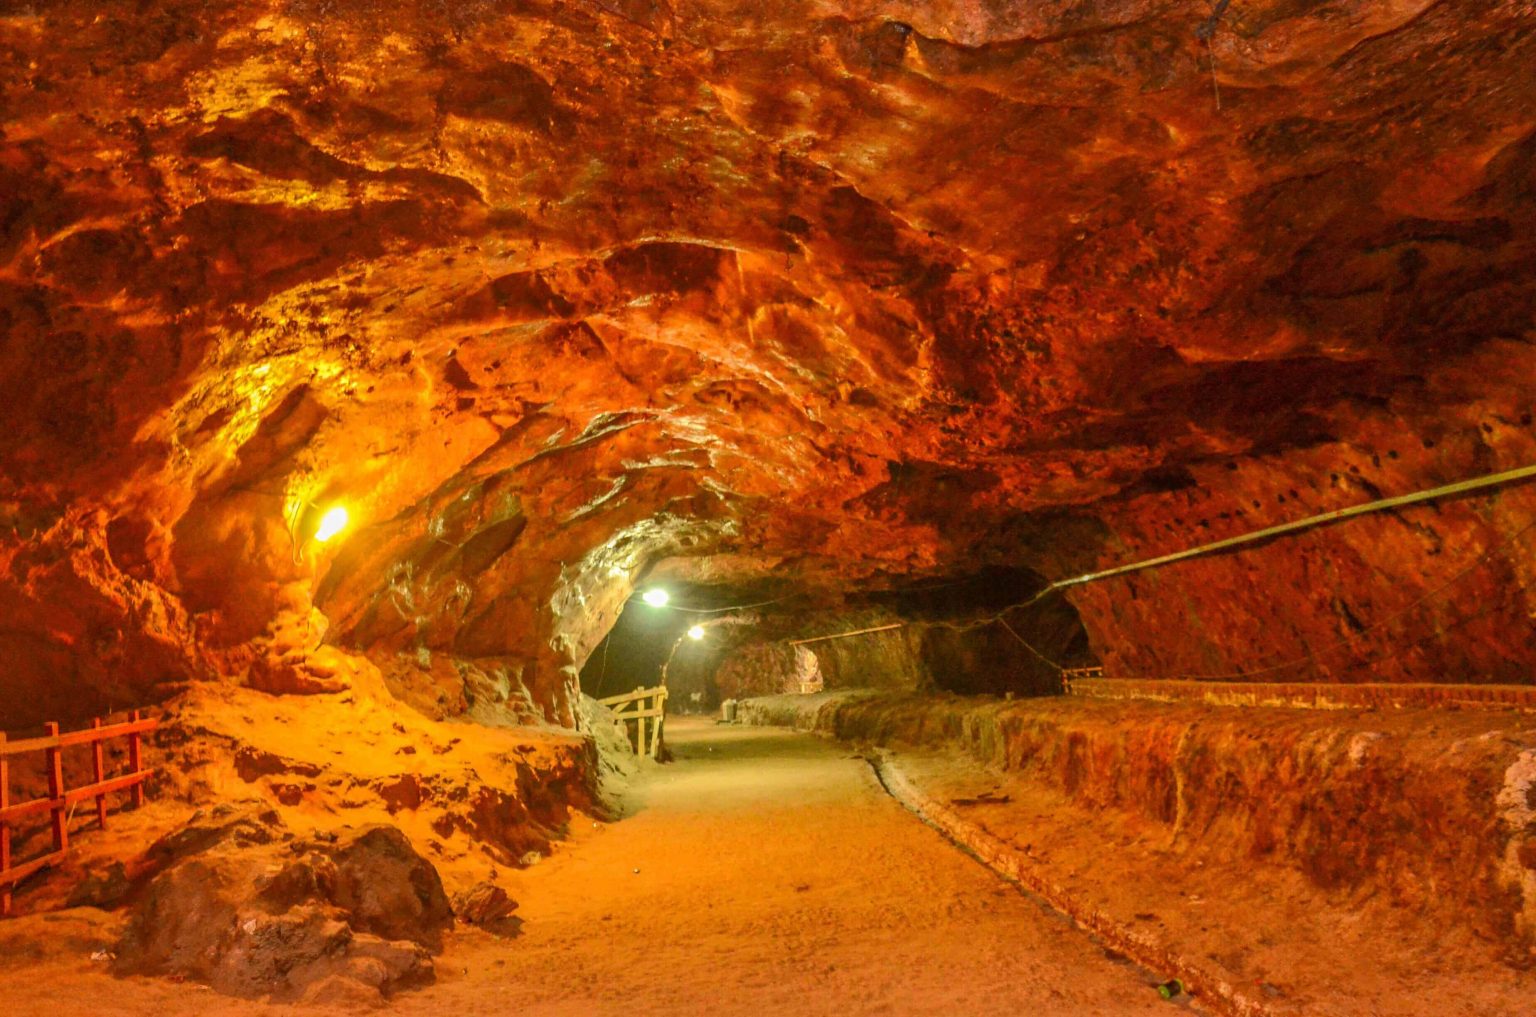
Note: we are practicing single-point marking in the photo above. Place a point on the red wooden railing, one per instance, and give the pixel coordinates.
(1071, 675)
(60, 800)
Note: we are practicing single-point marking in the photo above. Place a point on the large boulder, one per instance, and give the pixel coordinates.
(348, 920)
(388, 889)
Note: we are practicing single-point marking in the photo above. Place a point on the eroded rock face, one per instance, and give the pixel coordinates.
(460, 791)
(835, 293)
(237, 902)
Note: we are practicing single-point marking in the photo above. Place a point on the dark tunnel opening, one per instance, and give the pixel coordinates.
(974, 634)
(970, 635)
(646, 641)
(633, 652)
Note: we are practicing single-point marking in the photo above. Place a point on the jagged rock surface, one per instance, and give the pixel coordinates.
(833, 294)
(237, 902)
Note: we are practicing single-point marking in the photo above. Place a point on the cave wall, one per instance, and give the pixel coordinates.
(845, 294)
(1439, 592)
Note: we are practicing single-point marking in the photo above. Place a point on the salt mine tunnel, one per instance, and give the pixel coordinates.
(585, 507)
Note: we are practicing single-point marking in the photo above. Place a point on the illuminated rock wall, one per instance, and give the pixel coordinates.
(844, 294)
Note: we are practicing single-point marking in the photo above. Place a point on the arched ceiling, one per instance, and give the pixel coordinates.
(823, 294)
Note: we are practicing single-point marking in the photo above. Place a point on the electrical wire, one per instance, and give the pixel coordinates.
(1310, 656)
(1520, 474)
(1026, 644)
(790, 596)
(1338, 515)
(602, 679)
(1380, 622)
(996, 619)
(1207, 31)
(721, 610)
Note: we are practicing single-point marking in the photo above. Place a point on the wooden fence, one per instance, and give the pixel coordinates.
(640, 706)
(60, 802)
(1070, 675)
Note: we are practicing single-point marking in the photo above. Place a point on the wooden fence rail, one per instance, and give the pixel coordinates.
(61, 799)
(640, 706)
(1073, 674)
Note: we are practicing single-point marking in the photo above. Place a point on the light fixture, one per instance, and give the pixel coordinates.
(697, 632)
(656, 597)
(332, 523)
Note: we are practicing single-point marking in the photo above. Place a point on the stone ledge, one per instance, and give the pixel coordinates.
(1429, 809)
(1215, 987)
(1311, 695)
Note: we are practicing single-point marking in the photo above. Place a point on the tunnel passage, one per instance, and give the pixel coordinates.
(976, 639)
(849, 301)
(676, 633)
(813, 342)
(968, 634)
(632, 653)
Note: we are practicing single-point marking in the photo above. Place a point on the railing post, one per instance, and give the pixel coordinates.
(56, 790)
(136, 761)
(99, 774)
(5, 829)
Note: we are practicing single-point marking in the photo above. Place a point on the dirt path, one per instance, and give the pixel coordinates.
(774, 877)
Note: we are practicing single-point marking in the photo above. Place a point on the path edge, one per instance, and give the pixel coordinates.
(1213, 989)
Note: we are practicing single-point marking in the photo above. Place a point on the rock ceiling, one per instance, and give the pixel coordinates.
(823, 293)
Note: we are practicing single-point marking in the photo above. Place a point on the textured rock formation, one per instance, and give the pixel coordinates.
(472, 801)
(484, 904)
(464, 795)
(1433, 811)
(324, 923)
(840, 295)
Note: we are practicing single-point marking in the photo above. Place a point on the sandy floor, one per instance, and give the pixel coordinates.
(763, 872)
(1270, 933)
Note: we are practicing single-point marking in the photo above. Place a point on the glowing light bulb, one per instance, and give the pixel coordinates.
(332, 523)
(656, 597)
(697, 632)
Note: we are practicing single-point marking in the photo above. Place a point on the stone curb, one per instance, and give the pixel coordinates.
(1216, 989)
